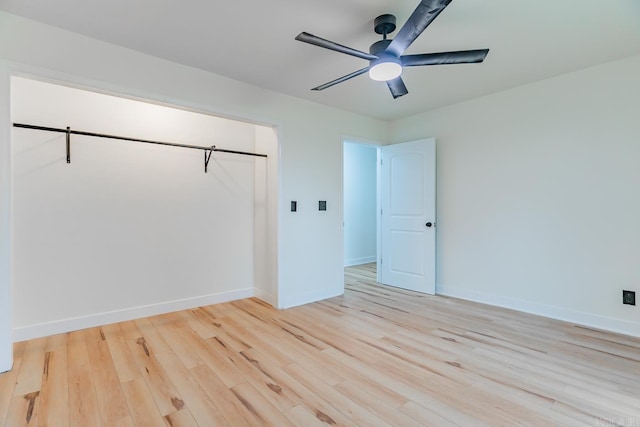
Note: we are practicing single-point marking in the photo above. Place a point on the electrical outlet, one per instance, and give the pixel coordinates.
(322, 205)
(629, 297)
(294, 206)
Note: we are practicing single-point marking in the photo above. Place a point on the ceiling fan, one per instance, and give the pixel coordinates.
(386, 59)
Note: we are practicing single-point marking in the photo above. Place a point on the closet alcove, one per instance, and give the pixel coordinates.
(125, 229)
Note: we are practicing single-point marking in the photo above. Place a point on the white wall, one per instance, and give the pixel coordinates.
(359, 203)
(538, 205)
(125, 226)
(310, 262)
(6, 352)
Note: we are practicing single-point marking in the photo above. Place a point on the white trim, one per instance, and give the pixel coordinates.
(265, 296)
(359, 261)
(6, 228)
(93, 320)
(309, 297)
(559, 313)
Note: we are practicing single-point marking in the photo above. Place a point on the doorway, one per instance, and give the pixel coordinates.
(389, 213)
(360, 203)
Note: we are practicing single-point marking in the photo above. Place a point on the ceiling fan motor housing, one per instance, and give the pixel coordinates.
(386, 66)
(378, 47)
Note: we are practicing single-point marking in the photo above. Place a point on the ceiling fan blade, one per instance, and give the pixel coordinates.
(327, 44)
(397, 87)
(425, 13)
(459, 57)
(341, 79)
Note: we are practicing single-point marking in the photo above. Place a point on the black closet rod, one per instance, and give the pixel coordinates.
(69, 131)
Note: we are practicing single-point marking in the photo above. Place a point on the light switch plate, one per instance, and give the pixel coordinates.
(629, 297)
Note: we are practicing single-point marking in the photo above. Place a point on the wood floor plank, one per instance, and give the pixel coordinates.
(18, 350)
(264, 412)
(192, 395)
(129, 330)
(161, 387)
(83, 402)
(356, 413)
(7, 386)
(378, 407)
(226, 328)
(428, 417)
(306, 355)
(23, 410)
(302, 417)
(234, 411)
(376, 355)
(123, 360)
(93, 334)
(215, 350)
(30, 374)
(181, 418)
(142, 408)
(265, 380)
(256, 374)
(153, 340)
(54, 395)
(171, 328)
(316, 404)
(203, 330)
(55, 342)
(122, 422)
(111, 400)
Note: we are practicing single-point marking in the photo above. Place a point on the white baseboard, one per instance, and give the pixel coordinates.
(308, 298)
(574, 316)
(74, 324)
(265, 296)
(359, 261)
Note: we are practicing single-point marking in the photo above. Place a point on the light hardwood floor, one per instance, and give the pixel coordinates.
(377, 356)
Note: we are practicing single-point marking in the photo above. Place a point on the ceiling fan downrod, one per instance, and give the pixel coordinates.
(384, 24)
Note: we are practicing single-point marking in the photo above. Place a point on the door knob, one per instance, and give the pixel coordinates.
(428, 224)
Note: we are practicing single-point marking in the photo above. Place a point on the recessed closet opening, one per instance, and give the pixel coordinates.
(128, 229)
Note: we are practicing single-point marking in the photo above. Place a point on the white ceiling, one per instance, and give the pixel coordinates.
(253, 41)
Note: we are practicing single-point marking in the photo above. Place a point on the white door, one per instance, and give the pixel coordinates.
(407, 215)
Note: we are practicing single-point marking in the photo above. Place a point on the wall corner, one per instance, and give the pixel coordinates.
(6, 299)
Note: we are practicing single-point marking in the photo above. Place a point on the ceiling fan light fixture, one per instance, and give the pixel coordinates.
(385, 70)
(386, 57)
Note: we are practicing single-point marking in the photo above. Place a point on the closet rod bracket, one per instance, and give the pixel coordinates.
(68, 144)
(207, 156)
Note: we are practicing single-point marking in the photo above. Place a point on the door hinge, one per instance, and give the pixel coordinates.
(381, 261)
(381, 162)
(381, 212)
